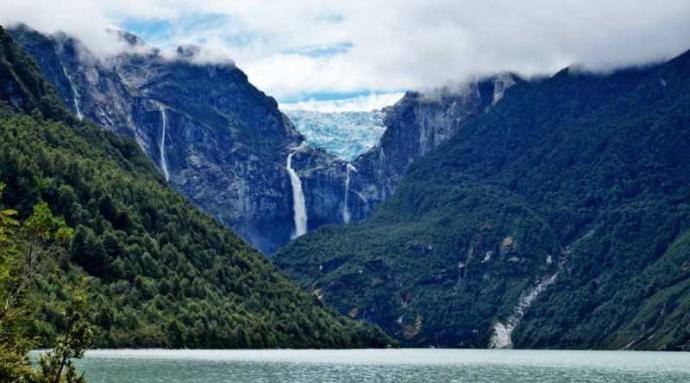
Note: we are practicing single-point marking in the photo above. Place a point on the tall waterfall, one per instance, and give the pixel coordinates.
(346, 209)
(164, 162)
(299, 206)
(75, 94)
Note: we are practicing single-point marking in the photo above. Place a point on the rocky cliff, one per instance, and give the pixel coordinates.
(559, 218)
(216, 138)
(224, 144)
(415, 125)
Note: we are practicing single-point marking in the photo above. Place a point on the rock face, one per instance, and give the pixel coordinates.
(559, 218)
(415, 125)
(224, 144)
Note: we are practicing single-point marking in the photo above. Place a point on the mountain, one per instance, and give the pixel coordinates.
(416, 125)
(559, 218)
(159, 272)
(217, 139)
(343, 134)
(224, 144)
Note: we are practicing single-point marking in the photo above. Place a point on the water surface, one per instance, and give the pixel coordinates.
(403, 365)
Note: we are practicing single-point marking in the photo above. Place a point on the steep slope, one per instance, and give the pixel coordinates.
(416, 125)
(160, 273)
(226, 143)
(222, 143)
(557, 219)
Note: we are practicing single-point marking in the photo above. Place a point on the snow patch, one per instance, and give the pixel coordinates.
(343, 134)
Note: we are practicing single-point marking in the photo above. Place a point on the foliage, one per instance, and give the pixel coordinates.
(57, 365)
(22, 250)
(596, 166)
(161, 274)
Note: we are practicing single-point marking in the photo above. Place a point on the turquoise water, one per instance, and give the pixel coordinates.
(405, 365)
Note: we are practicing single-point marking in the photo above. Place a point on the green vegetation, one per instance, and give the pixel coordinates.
(25, 249)
(158, 272)
(589, 171)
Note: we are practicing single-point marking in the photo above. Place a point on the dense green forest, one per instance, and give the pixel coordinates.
(581, 177)
(157, 271)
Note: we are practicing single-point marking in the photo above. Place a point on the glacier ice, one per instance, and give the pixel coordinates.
(343, 134)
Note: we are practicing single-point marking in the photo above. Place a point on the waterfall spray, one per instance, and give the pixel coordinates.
(164, 162)
(346, 209)
(299, 206)
(75, 95)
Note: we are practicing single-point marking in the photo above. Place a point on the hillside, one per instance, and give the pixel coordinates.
(160, 273)
(217, 139)
(558, 219)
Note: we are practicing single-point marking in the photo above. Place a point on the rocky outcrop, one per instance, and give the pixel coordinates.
(415, 125)
(223, 143)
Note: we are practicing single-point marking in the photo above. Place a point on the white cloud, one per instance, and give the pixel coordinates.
(396, 44)
(350, 104)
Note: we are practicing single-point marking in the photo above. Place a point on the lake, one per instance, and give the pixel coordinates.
(392, 365)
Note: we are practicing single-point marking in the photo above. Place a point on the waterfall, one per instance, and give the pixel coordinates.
(164, 162)
(503, 332)
(346, 210)
(299, 206)
(75, 94)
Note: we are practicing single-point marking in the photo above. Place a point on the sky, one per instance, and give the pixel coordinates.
(360, 54)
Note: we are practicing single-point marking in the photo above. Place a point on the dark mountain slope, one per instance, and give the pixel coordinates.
(600, 169)
(226, 143)
(160, 273)
(220, 141)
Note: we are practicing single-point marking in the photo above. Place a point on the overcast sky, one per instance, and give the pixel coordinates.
(368, 50)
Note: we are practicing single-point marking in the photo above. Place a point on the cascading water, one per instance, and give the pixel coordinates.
(164, 162)
(346, 209)
(503, 332)
(299, 206)
(75, 94)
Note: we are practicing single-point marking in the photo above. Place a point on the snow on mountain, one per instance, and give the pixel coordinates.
(343, 134)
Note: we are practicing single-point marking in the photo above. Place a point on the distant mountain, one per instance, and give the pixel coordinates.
(558, 218)
(342, 134)
(159, 272)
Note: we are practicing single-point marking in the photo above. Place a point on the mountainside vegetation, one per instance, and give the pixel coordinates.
(558, 219)
(158, 272)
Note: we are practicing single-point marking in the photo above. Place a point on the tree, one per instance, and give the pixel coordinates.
(21, 248)
(57, 365)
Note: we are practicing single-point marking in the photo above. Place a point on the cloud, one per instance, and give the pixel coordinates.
(359, 103)
(295, 48)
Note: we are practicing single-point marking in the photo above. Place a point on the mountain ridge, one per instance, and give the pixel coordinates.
(159, 272)
(581, 177)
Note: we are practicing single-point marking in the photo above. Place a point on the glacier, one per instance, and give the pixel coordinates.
(345, 134)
